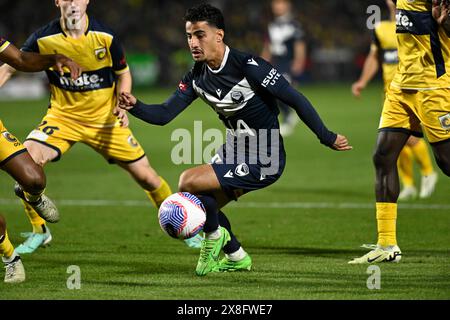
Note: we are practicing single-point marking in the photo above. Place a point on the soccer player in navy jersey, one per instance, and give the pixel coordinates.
(285, 49)
(242, 90)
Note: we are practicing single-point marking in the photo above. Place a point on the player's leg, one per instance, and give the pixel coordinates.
(406, 174)
(422, 156)
(40, 235)
(202, 181)
(441, 152)
(155, 187)
(236, 259)
(389, 145)
(387, 188)
(15, 271)
(399, 121)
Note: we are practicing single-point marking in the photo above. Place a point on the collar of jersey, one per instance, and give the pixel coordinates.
(224, 61)
(85, 32)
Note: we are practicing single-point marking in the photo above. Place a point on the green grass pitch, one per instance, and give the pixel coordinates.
(300, 232)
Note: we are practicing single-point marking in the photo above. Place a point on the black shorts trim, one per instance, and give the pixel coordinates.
(48, 145)
(408, 132)
(15, 154)
(114, 161)
(440, 142)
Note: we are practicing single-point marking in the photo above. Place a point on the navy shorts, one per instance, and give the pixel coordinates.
(240, 177)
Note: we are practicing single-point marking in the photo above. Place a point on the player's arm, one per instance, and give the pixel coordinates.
(124, 84)
(370, 69)
(161, 114)
(265, 54)
(124, 79)
(33, 62)
(441, 13)
(266, 78)
(299, 59)
(298, 64)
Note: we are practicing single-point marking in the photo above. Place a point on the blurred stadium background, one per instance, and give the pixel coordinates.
(301, 231)
(152, 32)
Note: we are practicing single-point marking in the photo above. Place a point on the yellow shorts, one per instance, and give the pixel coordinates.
(10, 146)
(418, 111)
(114, 143)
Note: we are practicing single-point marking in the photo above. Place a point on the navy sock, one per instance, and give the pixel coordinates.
(212, 210)
(233, 245)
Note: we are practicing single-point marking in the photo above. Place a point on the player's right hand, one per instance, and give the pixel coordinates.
(341, 144)
(127, 101)
(62, 61)
(357, 88)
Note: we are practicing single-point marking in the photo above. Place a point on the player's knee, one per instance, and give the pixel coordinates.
(381, 159)
(34, 180)
(186, 182)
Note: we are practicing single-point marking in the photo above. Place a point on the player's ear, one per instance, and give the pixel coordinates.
(219, 35)
(57, 3)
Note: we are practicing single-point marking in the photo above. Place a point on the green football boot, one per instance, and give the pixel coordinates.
(209, 252)
(227, 265)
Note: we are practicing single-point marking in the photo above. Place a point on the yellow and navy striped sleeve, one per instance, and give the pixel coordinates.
(120, 65)
(3, 44)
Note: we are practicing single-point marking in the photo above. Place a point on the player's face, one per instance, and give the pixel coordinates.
(72, 10)
(203, 40)
(280, 7)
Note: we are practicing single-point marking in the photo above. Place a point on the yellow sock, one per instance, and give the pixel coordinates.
(32, 197)
(386, 221)
(36, 221)
(405, 167)
(422, 155)
(158, 195)
(6, 248)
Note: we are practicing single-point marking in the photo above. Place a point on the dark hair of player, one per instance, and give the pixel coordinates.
(206, 12)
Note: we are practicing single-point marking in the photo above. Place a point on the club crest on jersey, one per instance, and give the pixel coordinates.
(242, 170)
(100, 53)
(445, 121)
(132, 142)
(237, 97)
(8, 136)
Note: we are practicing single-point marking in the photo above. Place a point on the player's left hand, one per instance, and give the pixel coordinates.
(127, 101)
(441, 12)
(341, 144)
(122, 116)
(62, 61)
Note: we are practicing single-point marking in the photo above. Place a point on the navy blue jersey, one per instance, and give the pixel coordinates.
(236, 91)
(283, 33)
(243, 92)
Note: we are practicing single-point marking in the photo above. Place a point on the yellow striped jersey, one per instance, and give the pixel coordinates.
(3, 44)
(385, 41)
(90, 98)
(424, 48)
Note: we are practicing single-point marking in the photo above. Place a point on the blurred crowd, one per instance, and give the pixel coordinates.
(336, 34)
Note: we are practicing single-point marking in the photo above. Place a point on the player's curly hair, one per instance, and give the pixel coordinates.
(206, 12)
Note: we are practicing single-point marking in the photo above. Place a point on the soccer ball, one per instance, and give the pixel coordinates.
(182, 215)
